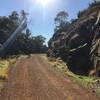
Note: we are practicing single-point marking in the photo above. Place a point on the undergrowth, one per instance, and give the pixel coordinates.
(4, 68)
(90, 83)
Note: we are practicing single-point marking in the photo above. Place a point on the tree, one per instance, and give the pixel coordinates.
(61, 19)
(14, 17)
(24, 42)
(39, 41)
(7, 26)
(28, 34)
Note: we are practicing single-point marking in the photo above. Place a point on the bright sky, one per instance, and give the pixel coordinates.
(43, 12)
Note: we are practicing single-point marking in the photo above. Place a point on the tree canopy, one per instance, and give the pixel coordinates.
(61, 19)
(25, 42)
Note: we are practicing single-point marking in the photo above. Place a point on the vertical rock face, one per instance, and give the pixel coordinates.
(79, 45)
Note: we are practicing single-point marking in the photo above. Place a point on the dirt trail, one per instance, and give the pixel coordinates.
(33, 79)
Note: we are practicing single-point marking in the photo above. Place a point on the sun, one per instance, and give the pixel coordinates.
(43, 2)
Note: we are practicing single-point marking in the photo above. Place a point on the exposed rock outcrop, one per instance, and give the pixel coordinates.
(79, 44)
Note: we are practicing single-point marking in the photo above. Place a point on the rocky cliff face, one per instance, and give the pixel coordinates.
(79, 44)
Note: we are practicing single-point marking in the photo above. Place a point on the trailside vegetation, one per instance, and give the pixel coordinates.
(78, 42)
(25, 42)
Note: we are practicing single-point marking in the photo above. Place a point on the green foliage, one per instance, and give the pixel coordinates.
(61, 19)
(6, 27)
(24, 43)
(39, 40)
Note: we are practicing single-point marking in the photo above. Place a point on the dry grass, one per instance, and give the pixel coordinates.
(3, 69)
(4, 66)
(84, 81)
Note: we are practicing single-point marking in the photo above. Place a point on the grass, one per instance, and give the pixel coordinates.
(90, 83)
(3, 71)
(4, 66)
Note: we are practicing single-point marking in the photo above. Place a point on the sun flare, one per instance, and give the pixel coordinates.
(43, 2)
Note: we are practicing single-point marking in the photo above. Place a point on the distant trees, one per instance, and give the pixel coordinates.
(39, 40)
(61, 20)
(25, 43)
